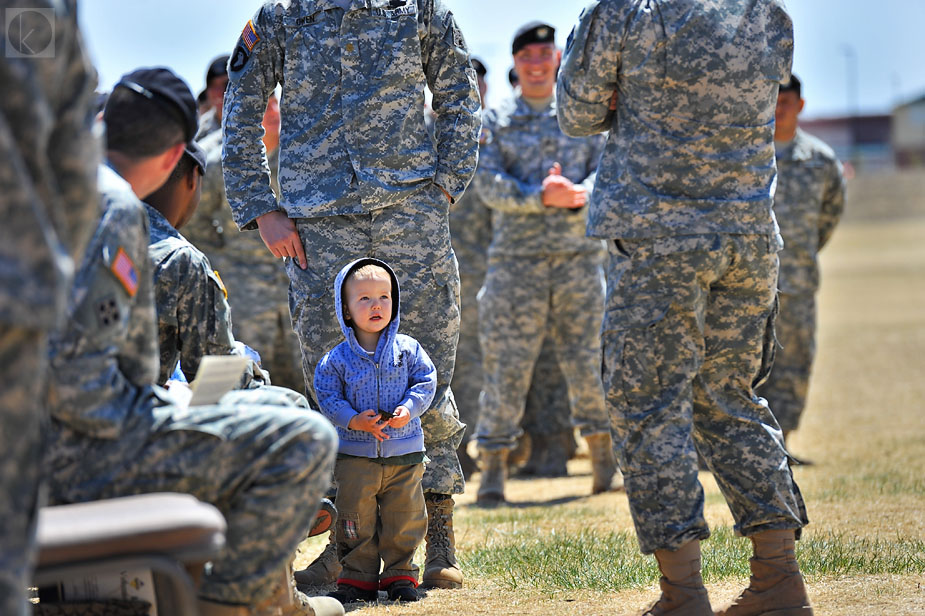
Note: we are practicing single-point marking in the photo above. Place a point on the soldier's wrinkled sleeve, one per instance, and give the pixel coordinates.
(589, 74)
(422, 383)
(497, 188)
(203, 315)
(255, 67)
(597, 149)
(833, 200)
(73, 152)
(329, 389)
(456, 101)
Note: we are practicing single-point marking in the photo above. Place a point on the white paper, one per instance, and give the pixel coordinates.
(217, 375)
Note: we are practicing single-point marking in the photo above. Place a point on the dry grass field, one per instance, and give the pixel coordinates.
(556, 550)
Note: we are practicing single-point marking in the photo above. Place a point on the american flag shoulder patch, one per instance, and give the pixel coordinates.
(249, 36)
(124, 270)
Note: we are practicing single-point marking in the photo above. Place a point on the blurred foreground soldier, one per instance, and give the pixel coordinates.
(262, 459)
(255, 281)
(809, 201)
(216, 82)
(361, 176)
(48, 206)
(544, 276)
(687, 90)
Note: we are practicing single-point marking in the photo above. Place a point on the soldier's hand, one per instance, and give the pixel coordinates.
(278, 232)
(556, 169)
(559, 191)
(613, 101)
(368, 421)
(400, 417)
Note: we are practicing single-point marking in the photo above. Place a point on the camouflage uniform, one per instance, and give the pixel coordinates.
(544, 276)
(261, 456)
(255, 280)
(358, 171)
(683, 194)
(48, 206)
(193, 317)
(209, 125)
(470, 230)
(546, 409)
(809, 200)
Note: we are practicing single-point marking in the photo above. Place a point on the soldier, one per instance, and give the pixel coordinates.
(193, 315)
(49, 206)
(683, 197)
(216, 82)
(256, 282)
(262, 459)
(360, 176)
(809, 200)
(544, 276)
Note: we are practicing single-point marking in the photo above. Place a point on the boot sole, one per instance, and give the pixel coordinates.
(790, 611)
(445, 584)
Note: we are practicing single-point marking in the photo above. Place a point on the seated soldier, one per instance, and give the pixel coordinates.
(257, 456)
(193, 316)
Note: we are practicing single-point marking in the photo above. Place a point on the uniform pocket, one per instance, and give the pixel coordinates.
(634, 354)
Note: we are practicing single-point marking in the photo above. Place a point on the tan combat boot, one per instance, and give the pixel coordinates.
(324, 570)
(494, 473)
(284, 601)
(776, 587)
(440, 567)
(603, 463)
(683, 593)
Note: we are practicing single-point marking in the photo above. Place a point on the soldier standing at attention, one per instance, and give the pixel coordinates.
(256, 281)
(809, 200)
(216, 81)
(49, 206)
(687, 90)
(361, 176)
(258, 455)
(544, 278)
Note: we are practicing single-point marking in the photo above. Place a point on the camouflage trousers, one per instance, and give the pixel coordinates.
(788, 383)
(684, 336)
(467, 376)
(260, 455)
(527, 299)
(546, 409)
(413, 238)
(22, 417)
(258, 292)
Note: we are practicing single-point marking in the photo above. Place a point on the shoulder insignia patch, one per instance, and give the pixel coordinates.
(249, 36)
(239, 58)
(107, 312)
(221, 283)
(124, 271)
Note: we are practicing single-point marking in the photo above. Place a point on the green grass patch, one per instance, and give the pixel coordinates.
(520, 558)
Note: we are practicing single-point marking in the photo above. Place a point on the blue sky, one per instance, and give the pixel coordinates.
(881, 40)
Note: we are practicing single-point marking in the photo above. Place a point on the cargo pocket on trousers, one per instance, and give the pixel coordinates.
(634, 353)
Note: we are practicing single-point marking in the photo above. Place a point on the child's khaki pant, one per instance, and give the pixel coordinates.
(381, 515)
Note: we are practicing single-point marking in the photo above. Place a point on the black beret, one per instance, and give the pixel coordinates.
(533, 32)
(162, 86)
(479, 67)
(218, 68)
(195, 151)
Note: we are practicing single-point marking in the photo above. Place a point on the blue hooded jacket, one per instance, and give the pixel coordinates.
(348, 381)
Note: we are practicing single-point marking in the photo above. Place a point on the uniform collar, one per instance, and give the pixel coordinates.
(160, 226)
(801, 148)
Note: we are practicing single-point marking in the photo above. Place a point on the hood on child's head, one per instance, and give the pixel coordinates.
(341, 280)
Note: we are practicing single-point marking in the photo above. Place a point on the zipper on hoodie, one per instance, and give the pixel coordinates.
(378, 442)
